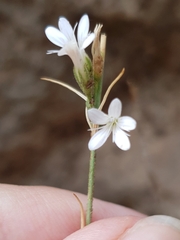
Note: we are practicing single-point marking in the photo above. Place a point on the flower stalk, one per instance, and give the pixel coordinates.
(90, 194)
(98, 53)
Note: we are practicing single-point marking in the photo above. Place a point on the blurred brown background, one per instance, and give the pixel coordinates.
(43, 132)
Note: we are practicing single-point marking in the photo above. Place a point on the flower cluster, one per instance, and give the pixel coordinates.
(89, 78)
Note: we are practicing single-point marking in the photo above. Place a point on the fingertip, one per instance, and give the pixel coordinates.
(154, 227)
(105, 229)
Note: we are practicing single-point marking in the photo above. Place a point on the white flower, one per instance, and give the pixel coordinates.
(112, 123)
(64, 37)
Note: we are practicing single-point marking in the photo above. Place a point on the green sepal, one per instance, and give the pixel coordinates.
(85, 80)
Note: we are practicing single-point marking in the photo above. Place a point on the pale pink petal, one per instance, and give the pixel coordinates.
(62, 52)
(127, 123)
(55, 36)
(96, 116)
(88, 41)
(99, 138)
(66, 28)
(52, 51)
(115, 108)
(122, 140)
(71, 49)
(83, 29)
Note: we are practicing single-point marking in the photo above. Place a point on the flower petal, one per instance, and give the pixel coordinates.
(62, 52)
(99, 138)
(122, 140)
(52, 51)
(71, 49)
(55, 36)
(88, 41)
(115, 108)
(66, 28)
(83, 29)
(97, 116)
(127, 123)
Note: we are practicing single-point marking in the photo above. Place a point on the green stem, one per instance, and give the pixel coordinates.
(90, 187)
(91, 178)
(94, 101)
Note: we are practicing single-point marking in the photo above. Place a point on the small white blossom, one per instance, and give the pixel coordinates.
(64, 37)
(112, 122)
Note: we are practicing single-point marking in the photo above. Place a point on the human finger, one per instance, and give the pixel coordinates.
(46, 213)
(130, 228)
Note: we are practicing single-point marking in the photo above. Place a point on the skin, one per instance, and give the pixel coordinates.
(46, 213)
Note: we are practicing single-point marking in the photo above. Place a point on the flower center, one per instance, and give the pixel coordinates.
(113, 121)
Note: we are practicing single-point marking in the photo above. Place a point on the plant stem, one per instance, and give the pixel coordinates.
(90, 187)
(98, 52)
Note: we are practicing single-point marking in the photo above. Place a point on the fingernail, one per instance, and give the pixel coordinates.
(154, 227)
